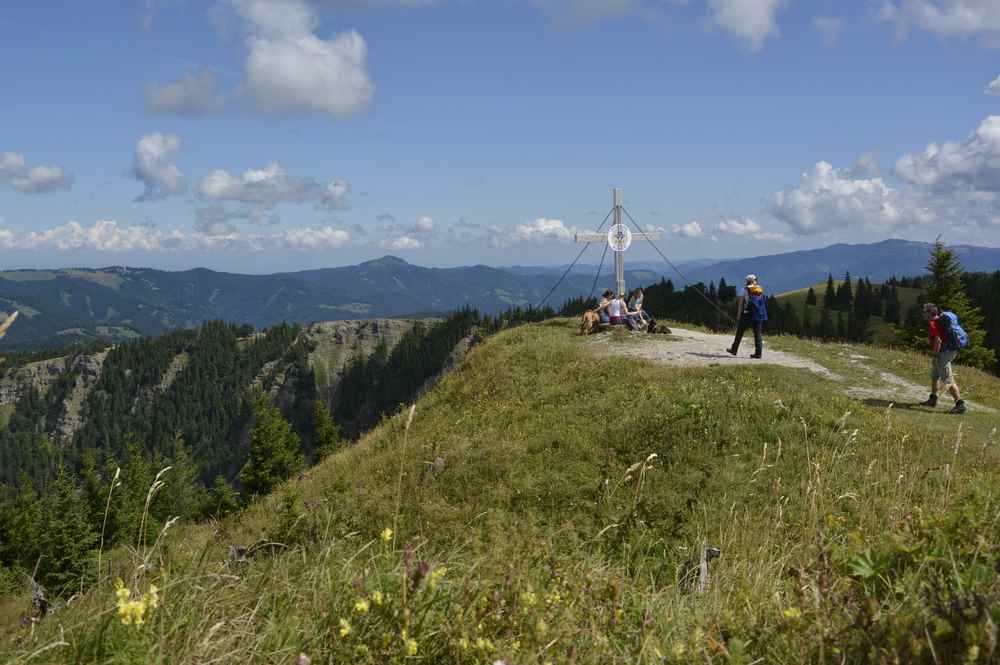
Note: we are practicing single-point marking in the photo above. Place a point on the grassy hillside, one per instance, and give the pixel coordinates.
(545, 505)
(881, 331)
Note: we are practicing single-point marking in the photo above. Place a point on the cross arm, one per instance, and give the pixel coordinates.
(655, 235)
(591, 237)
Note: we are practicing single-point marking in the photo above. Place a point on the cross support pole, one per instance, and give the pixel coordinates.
(619, 238)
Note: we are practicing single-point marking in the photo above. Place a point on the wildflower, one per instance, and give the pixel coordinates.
(793, 613)
(410, 645)
(132, 612)
(483, 644)
(541, 627)
(553, 598)
(464, 643)
(153, 597)
(678, 650)
(435, 577)
(386, 535)
(529, 598)
(361, 606)
(377, 598)
(345, 627)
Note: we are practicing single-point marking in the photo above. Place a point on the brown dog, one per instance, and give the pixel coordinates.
(589, 322)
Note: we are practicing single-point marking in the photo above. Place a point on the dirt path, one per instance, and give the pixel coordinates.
(691, 348)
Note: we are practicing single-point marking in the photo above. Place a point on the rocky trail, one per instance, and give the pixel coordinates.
(692, 348)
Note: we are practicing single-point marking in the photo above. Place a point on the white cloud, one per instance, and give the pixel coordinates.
(689, 230)
(34, 180)
(752, 21)
(736, 227)
(827, 198)
(830, 28)
(42, 179)
(402, 243)
(945, 18)
(267, 187)
(326, 237)
(153, 169)
(993, 89)
(544, 229)
(11, 165)
(289, 68)
(192, 94)
(424, 225)
(110, 236)
(970, 164)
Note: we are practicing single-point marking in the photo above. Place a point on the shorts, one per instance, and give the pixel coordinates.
(941, 367)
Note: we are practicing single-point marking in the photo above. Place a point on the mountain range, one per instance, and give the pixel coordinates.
(77, 305)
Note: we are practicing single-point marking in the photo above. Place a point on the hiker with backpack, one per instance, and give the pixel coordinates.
(946, 337)
(751, 313)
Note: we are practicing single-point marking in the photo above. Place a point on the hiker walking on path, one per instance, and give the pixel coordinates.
(946, 337)
(751, 313)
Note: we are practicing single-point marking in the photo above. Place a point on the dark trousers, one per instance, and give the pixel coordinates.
(758, 332)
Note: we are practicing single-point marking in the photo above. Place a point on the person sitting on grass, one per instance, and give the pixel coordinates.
(945, 350)
(603, 305)
(616, 310)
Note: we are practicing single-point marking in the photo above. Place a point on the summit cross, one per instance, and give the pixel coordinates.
(619, 238)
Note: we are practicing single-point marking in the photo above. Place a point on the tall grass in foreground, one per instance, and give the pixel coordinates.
(557, 533)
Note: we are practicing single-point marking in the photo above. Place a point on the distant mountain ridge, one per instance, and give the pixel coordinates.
(74, 305)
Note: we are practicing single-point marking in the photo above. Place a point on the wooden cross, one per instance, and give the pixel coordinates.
(619, 238)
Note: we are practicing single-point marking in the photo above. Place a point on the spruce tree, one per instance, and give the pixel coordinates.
(947, 291)
(841, 327)
(830, 296)
(826, 330)
(274, 451)
(811, 297)
(66, 538)
(326, 434)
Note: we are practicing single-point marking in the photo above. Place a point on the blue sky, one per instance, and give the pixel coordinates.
(265, 135)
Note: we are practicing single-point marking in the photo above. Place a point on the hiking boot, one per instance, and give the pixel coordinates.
(756, 355)
(731, 351)
(931, 401)
(959, 407)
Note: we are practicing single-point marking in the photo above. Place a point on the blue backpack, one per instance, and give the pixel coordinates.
(757, 306)
(957, 337)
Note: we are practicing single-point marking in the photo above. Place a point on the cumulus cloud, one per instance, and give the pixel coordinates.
(945, 18)
(752, 21)
(689, 230)
(401, 243)
(110, 236)
(828, 198)
(544, 229)
(736, 227)
(830, 28)
(972, 164)
(289, 68)
(263, 189)
(34, 180)
(424, 225)
(195, 93)
(153, 168)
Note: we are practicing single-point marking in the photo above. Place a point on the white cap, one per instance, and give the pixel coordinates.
(751, 278)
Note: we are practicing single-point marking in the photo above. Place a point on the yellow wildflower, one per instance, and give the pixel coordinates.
(435, 577)
(345, 627)
(410, 645)
(484, 644)
(361, 606)
(553, 598)
(541, 627)
(529, 598)
(464, 643)
(377, 598)
(154, 597)
(793, 613)
(386, 534)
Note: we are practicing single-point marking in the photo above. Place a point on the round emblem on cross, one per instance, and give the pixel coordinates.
(619, 237)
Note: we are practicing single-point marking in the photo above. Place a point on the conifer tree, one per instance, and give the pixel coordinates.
(841, 327)
(66, 537)
(946, 290)
(811, 297)
(830, 296)
(326, 434)
(274, 450)
(826, 330)
(807, 324)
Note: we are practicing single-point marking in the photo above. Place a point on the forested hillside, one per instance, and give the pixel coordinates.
(230, 411)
